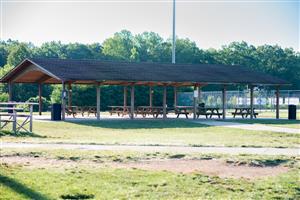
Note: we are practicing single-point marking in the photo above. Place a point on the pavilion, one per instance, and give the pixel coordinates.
(131, 74)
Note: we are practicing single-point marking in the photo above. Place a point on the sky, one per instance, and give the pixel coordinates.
(209, 23)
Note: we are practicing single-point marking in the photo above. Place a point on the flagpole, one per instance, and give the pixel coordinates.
(174, 36)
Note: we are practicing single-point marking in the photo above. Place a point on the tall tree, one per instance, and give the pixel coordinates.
(149, 46)
(51, 50)
(187, 51)
(18, 53)
(119, 47)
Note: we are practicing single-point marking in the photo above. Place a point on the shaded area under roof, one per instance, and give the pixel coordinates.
(109, 72)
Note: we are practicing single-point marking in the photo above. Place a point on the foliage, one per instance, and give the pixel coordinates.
(119, 47)
(56, 94)
(3, 97)
(145, 47)
(18, 53)
(45, 104)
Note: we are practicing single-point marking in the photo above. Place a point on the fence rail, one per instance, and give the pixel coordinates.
(263, 99)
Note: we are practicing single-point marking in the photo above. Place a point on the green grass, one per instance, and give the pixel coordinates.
(271, 122)
(154, 132)
(85, 181)
(23, 183)
(283, 114)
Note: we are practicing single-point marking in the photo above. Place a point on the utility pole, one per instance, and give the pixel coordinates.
(174, 36)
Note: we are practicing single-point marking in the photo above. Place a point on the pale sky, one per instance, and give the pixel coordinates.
(208, 23)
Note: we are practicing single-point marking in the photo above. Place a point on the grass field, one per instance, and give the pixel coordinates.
(89, 181)
(283, 114)
(45, 174)
(271, 122)
(153, 132)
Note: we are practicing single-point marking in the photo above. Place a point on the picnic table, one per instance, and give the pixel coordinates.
(150, 110)
(72, 110)
(119, 110)
(208, 112)
(9, 114)
(244, 112)
(183, 110)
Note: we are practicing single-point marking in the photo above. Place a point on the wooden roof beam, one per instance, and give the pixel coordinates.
(43, 78)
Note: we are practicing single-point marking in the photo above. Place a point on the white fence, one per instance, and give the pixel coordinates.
(263, 99)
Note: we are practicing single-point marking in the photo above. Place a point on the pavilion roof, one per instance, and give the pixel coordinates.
(44, 70)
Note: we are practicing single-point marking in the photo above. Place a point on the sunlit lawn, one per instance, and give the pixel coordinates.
(154, 132)
(283, 114)
(271, 122)
(90, 182)
(107, 183)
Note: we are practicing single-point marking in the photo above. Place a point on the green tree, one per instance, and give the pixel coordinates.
(119, 46)
(18, 53)
(149, 46)
(51, 50)
(187, 51)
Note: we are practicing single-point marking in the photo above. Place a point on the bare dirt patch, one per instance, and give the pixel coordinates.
(209, 167)
(212, 167)
(40, 162)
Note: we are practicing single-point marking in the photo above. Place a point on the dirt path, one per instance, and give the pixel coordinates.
(256, 127)
(171, 149)
(212, 167)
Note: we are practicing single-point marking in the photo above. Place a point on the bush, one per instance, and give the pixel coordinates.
(45, 104)
(56, 94)
(3, 97)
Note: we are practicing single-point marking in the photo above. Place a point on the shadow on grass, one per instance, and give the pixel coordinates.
(274, 162)
(19, 134)
(140, 124)
(77, 196)
(21, 188)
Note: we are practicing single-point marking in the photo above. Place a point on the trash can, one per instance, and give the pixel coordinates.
(10, 111)
(292, 112)
(56, 112)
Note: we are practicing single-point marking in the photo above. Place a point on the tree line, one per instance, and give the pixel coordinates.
(144, 47)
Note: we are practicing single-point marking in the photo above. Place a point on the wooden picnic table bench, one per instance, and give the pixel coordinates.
(208, 112)
(72, 110)
(92, 110)
(150, 110)
(119, 110)
(244, 112)
(75, 110)
(183, 110)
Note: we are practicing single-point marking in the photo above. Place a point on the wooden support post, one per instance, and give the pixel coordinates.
(14, 120)
(125, 97)
(277, 102)
(69, 95)
(165, 102)
(199, 94)
(195, 102)
(175, 96)
(132, 102)
(224, 102)
(251, 101)
(98, 90)
(40, 99)
(150, 96)
(63, 102)
(30, 117)
(10, 91)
